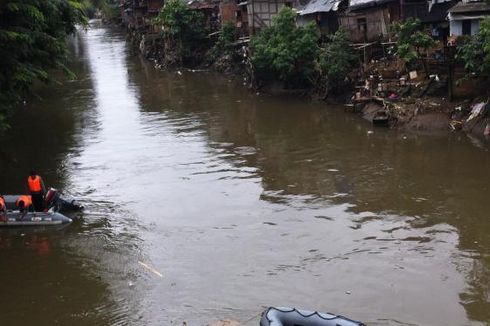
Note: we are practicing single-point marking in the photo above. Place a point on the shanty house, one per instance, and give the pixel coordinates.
(210, 10)
(464, 17)
(261, 12)
(137, 14)
(323, 12)
(432, 14)
(231, 12)
(369, 20)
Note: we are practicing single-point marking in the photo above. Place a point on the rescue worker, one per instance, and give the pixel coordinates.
(35, 185)
(3, 209)
(23, 203)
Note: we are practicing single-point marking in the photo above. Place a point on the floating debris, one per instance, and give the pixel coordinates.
(151, 269)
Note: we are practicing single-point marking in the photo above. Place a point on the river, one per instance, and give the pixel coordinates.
(204, 201)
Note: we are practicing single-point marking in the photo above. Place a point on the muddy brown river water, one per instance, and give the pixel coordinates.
(205, 201)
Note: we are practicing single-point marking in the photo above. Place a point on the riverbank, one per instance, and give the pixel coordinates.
(413, 103)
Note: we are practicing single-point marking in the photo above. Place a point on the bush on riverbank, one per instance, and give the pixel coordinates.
(184, 32)
(285, 52)
(225, 55)
(475, 52)
(412, 42)
(336, 61)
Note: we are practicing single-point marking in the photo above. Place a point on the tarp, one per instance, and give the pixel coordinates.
(315, 6)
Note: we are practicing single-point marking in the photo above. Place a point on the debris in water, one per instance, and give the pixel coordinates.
(179, 72)
(151, 269)
(347, 292)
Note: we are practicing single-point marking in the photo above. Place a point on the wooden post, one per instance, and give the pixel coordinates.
(450, 80)
(450, 75)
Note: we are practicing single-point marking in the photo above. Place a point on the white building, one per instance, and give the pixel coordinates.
(464, 18)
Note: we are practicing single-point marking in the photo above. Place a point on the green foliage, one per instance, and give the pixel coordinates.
(475, 51)
(227, 36)
(411, 40)
(336, 58)
(33, 41)
(286, 52)
(184, 29)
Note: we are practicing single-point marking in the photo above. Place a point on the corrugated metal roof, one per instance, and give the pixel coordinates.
(358, 4)
(315, 6)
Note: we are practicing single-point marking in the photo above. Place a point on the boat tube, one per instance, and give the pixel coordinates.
(53, 200)
(34, 219)
(294, 317)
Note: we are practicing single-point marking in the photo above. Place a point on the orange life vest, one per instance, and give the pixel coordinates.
(34, 183)
(26, 199)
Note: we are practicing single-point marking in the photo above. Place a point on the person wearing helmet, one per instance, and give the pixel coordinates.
(3, 209)
(35, 185)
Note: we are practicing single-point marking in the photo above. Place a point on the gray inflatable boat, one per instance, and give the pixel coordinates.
(55, 203)
(54, 200)
(294, 317)
(15, 218)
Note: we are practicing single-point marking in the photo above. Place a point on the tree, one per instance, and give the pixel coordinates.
(286, 52)
(412, 42)
(336, 60)
(183, 29)
(475, 51)
(33, 41)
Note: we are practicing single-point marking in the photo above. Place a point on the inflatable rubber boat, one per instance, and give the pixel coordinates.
(54, 200)
(294, 317)
(16, 218)
(55, 203)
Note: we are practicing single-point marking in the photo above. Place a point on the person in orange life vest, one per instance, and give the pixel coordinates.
(23, 203)
(3, 209)
(35, 185)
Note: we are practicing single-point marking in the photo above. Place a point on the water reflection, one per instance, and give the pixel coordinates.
(241, 201)
(403, 192)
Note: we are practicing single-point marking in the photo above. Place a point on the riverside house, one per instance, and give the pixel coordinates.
(137, 14)
(432, 14)
(465, 16)
(261, 12)
(324, 13)
(232, 12)
(370, 20)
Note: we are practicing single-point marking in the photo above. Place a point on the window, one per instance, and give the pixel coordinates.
(361, 25)
(466, 27)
